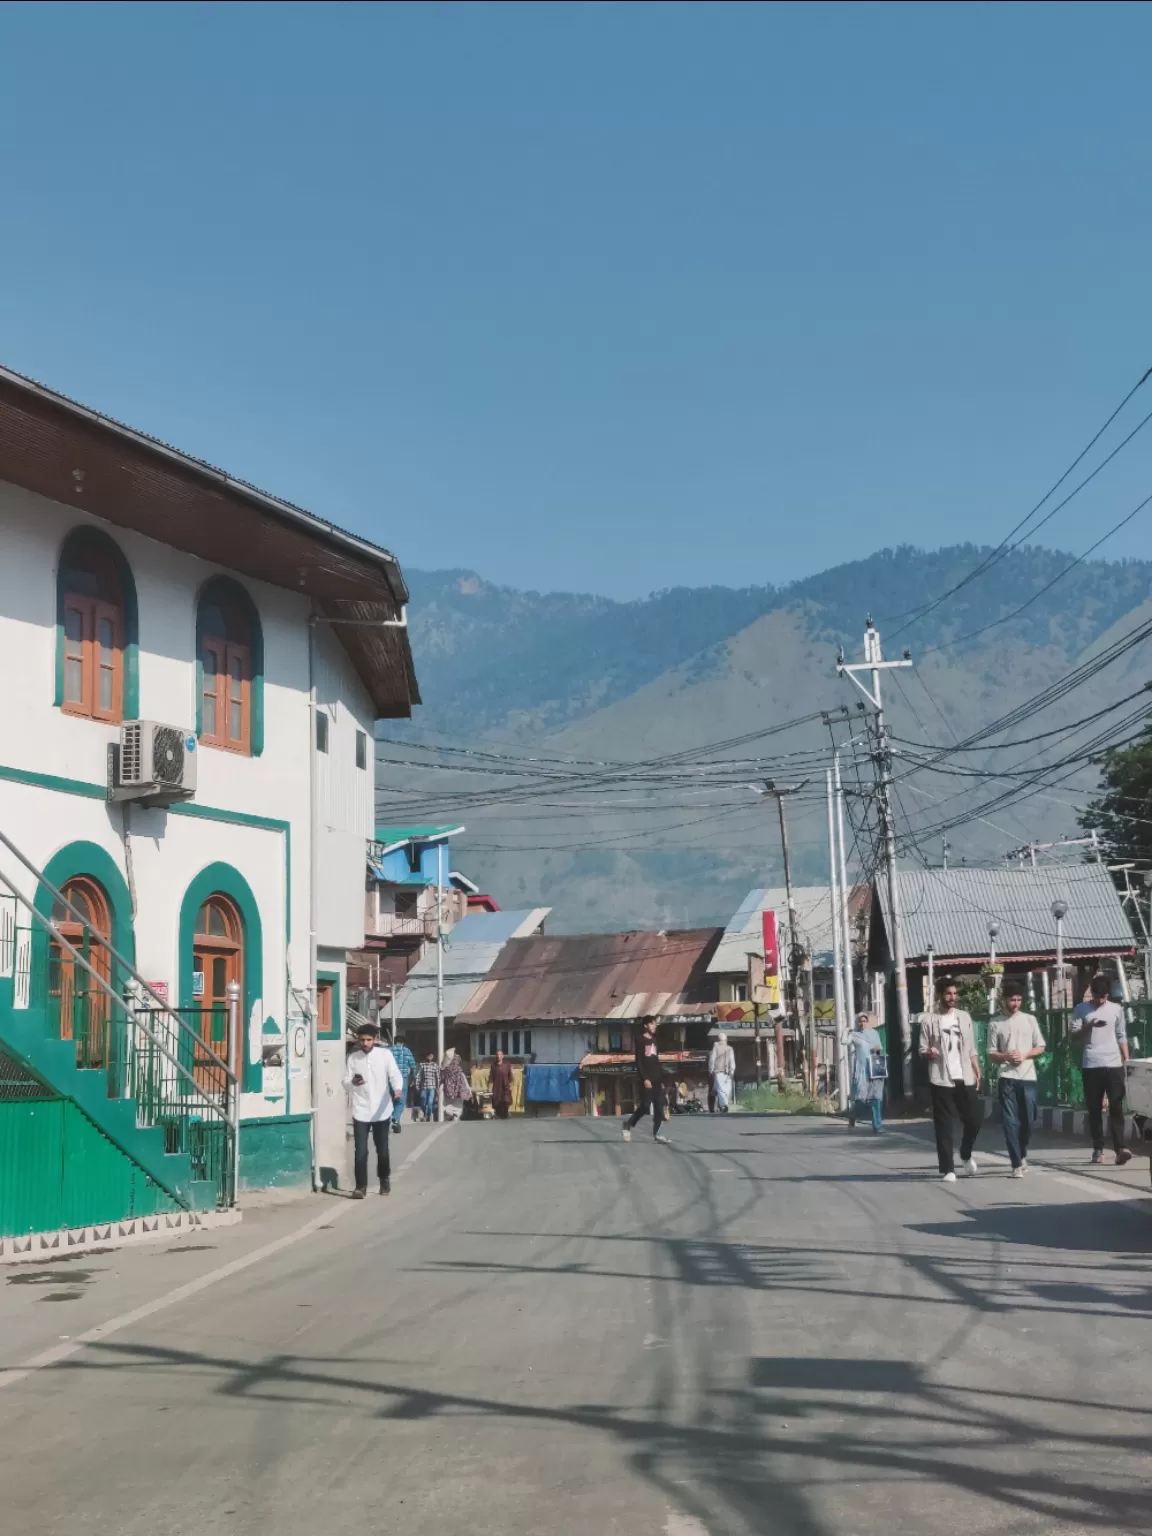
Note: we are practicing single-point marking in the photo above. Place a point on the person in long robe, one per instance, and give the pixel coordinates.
(722, 1073)
(869, 1072)
(500, 1081)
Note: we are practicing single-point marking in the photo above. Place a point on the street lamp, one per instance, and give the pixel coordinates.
(930, 1001)
(993, 930)
(1060, 912)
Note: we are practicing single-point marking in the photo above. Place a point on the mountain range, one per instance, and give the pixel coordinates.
(511, 675)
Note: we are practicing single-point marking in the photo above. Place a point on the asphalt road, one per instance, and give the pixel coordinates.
(770, 1326)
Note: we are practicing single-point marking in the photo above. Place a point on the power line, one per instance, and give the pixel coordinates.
(1005, 546)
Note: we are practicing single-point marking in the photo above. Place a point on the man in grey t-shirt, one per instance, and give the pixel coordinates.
(1015, 1041)
(1100, 1024)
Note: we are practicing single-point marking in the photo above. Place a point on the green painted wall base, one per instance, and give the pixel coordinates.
(24, 1033)
(58, 1170)
(276, 1153)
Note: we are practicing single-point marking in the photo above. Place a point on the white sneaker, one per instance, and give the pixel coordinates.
(948, 1178)
(626, 1133)
(971, 1167)
(1024, 1164)
(1018, 1173)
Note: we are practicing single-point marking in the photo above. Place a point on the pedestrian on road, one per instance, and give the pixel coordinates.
(948, 1043)
(1100, 1024)
(407, 1063)
(651, 1083)
(428, 1085)
(456, 1089)
(869, 1072)
(500, 1081)
(374, 1084)
(722, 1073)
(1015, 1041)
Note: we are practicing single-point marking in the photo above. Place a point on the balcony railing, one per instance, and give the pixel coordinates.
(391, 925)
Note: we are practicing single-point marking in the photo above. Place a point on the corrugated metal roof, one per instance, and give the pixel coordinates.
(599, 976)
(395, 837)
(951, 909)
(470, 951)
(744, 934)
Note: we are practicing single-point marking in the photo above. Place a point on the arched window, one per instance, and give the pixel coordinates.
(81, 1006)
(92, 618)
(230, 660)
(217, 960)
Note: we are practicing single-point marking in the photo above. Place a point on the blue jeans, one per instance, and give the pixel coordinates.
(1018, 1107)
(428, 1102)
(874, 1107)
(398, 1108)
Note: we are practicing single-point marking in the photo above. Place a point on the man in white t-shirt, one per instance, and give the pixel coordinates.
(948, 1043)
(1015, 1041)
(1100, 1024)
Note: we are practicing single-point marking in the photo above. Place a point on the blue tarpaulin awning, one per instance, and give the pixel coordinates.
(547, 1084)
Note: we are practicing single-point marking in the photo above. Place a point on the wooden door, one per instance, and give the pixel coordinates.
(82, 1008)
(218, 958)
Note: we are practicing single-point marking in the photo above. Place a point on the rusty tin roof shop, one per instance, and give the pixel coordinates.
(61, 449)
(588, 977)
(951, 909)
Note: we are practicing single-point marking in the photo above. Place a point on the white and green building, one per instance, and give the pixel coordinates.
(193, 670)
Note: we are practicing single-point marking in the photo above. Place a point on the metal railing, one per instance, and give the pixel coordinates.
(161, 1057)
(392, 925)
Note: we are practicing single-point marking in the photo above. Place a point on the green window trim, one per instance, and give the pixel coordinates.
(73, 548)
(228, 881)
(223, 589)
(337, 1030)
(84, 858)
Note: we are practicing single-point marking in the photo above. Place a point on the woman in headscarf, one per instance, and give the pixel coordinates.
(456, 1088)
(869, 1071)
(722, 1072)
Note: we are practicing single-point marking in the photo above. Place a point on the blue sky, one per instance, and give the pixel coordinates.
(607, 298)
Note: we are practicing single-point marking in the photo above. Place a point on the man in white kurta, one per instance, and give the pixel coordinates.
(374, 1083)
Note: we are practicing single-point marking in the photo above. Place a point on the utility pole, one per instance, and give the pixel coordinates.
(440, 975)
(840, 1006)
(874, 664)
(778, 792)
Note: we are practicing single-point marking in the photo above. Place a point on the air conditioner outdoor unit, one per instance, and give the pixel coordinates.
(155, 763)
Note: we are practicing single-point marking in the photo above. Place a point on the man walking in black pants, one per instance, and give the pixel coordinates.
(948, 1043)
(1100, 1024)
(375, 1083)
(651, 1083)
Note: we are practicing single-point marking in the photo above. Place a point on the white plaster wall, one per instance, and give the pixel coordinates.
(345, 795)
(169, 849)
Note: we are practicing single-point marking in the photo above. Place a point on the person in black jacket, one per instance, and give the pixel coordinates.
(651, 1083)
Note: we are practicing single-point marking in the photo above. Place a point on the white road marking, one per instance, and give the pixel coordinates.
(10, 1375)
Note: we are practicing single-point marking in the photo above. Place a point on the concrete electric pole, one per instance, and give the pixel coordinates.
(778, 792)
(874, 664)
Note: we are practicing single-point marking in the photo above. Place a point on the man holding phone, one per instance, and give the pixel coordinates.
(1100, 1025)
(374, 1083)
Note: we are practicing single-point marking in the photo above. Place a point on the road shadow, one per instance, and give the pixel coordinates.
(804, 1446)
(1090, 1226)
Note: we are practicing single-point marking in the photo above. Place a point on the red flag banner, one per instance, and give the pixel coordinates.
(771, 951)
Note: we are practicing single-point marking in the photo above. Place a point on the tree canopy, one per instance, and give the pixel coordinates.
(1122, 815)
